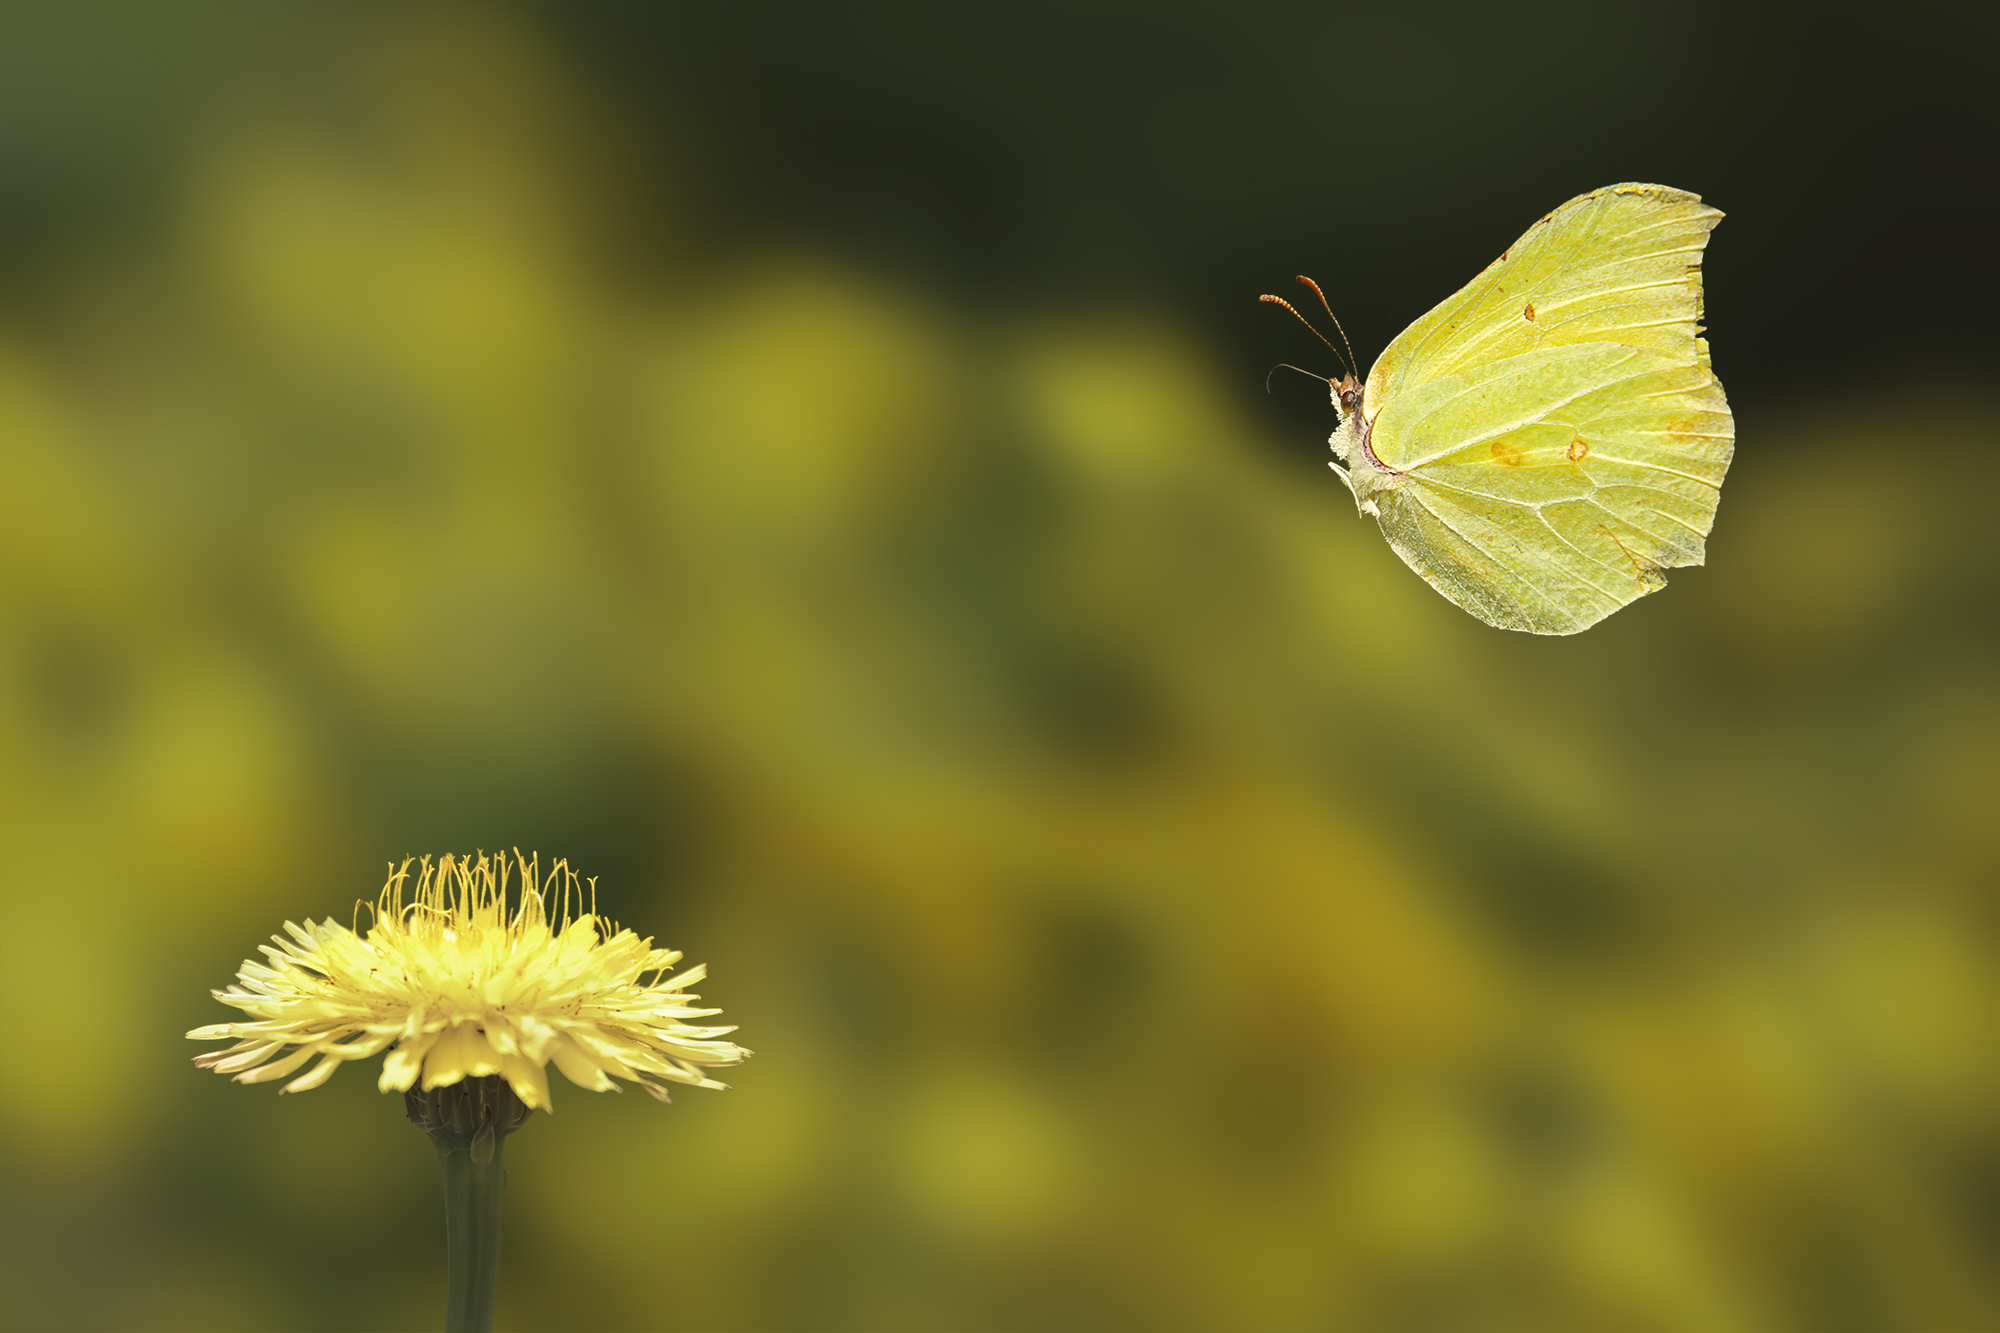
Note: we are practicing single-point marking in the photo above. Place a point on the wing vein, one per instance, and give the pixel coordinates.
(1585, 392)
(1637, 527)
(1652, 467)
(1606, 291)
(1557, 573)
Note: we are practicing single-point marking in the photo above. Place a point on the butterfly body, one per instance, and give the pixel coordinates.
(1549, 439)
(1364, 473)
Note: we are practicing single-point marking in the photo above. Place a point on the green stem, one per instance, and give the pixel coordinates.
(472, 1193)
(469, 1122)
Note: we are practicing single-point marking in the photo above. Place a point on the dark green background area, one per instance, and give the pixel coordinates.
(1182, 154)
(1186, 154)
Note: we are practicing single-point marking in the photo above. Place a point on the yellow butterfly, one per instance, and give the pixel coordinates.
(1549, 440)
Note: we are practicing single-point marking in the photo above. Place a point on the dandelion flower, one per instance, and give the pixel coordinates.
(454, 986)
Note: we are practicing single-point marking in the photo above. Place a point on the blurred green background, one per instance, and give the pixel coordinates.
(809, 466)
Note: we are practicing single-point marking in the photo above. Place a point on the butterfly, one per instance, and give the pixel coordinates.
(1550, 439)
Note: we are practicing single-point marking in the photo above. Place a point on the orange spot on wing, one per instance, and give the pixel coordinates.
(1529, 313)
(1506, 454)
(1578, 450)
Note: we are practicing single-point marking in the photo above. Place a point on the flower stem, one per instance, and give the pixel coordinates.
(469, 1122)
(472, 1192)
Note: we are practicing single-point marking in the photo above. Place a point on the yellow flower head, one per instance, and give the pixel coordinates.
(464, 989)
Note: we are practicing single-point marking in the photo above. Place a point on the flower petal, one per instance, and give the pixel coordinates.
(613, 1050)
(578, 1067)
(243, 1059)
(401, 1066)
(685, 979)
(530, 1082)
(312, 1078)
(278, 1068)
(463, 1052)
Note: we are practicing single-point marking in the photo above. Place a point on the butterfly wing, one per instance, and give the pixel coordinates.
(1560, 436)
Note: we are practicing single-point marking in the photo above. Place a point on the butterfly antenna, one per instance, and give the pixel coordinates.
(1330, 315)
(1279, 300)
(1286, 365)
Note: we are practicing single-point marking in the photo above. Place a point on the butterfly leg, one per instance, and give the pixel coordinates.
(1345, 480)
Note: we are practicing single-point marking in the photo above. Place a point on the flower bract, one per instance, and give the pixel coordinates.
(455, 984)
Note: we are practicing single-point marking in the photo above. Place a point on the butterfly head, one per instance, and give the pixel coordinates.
(1346, 393)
